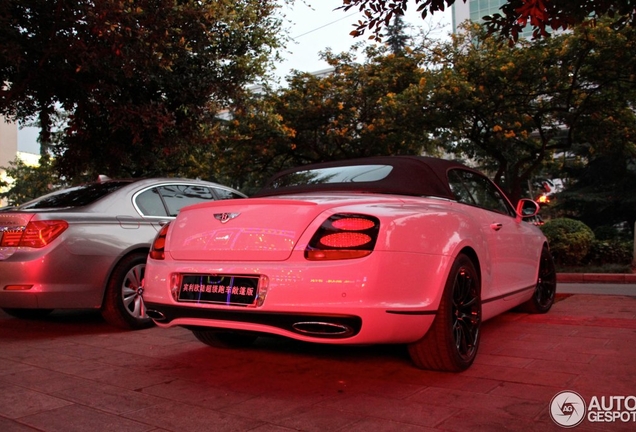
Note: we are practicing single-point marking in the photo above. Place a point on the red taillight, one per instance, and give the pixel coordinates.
(36, 234)
(345, 240)
(11, 238)
(157, 252)
(353, 224)
(344, 236)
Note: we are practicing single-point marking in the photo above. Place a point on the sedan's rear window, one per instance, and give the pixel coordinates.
(74, 197)
(168, 199)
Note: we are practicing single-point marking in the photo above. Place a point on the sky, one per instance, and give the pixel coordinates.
(314, 26)
(27, 140)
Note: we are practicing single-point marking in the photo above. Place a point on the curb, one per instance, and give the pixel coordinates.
(618, 278)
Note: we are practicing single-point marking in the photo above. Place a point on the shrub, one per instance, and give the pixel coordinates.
(610, 252)
(570, 240)
(613, 232)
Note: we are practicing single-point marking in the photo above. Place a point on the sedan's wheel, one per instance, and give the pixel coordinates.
(123, 302)
(32, 314)
(225, 339)
(452, 341)
(545, 290)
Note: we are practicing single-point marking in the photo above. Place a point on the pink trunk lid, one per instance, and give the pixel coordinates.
(240, 230)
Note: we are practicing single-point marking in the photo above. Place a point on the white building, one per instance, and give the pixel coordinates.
(9, 151)
(8, 142)
(475, 10)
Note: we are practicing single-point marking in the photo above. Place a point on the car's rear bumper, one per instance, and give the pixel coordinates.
(383, 298)
(53, 281)
(361, 327)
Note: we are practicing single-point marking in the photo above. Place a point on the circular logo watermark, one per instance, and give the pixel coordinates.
(567, 409)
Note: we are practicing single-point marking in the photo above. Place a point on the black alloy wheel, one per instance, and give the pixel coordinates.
(545, 289)
(452, 341)
(466, 312)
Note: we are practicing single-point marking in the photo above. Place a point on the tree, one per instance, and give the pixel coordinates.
(250, 143)
(602, 166)
(510, 108)
(137, 78)
(29, 181)
(542, 15)
(359, 109)
(396, 38)
(602, 190)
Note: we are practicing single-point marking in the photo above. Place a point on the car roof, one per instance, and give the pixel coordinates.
(410, 175)
(94, 192)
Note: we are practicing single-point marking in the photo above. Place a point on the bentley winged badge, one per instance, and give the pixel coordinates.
(225, 217)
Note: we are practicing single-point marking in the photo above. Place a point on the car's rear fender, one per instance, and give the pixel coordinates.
(130, 251)
(438, 230)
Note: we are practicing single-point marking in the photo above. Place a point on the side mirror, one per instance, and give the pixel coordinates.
(527, 208)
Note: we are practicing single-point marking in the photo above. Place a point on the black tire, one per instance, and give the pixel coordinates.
(123, 304)
(29, 314)
(545, 290)
(225, 339)
(451, 344)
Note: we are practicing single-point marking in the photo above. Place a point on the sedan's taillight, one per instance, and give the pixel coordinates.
(36, 234)
(344, 236)
(157, 251)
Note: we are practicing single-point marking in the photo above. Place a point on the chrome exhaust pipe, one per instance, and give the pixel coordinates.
(155, 315)
(315, 328)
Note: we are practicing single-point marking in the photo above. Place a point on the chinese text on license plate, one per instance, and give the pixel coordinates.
(235, 290)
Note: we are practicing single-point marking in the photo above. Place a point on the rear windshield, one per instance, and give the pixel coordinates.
(347, 174)
(74, 197)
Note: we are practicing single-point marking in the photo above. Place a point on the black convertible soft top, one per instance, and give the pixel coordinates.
(400, 175)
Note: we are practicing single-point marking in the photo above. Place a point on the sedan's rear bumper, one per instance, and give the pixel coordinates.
(53, 280)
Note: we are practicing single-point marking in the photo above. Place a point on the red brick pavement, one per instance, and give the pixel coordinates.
(72, 372)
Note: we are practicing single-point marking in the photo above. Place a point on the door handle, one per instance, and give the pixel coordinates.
(496, 226)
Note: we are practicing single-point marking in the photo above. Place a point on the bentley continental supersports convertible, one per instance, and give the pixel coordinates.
(401, 249)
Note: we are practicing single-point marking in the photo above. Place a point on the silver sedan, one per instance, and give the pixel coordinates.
(86, 246)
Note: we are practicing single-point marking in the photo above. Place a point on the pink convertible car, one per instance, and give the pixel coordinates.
(403, 249)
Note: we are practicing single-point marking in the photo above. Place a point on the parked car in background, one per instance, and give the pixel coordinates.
(86, 246)
(403, 249)
(535, 220)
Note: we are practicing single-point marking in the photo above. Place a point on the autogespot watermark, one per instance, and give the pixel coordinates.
(568, 409)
